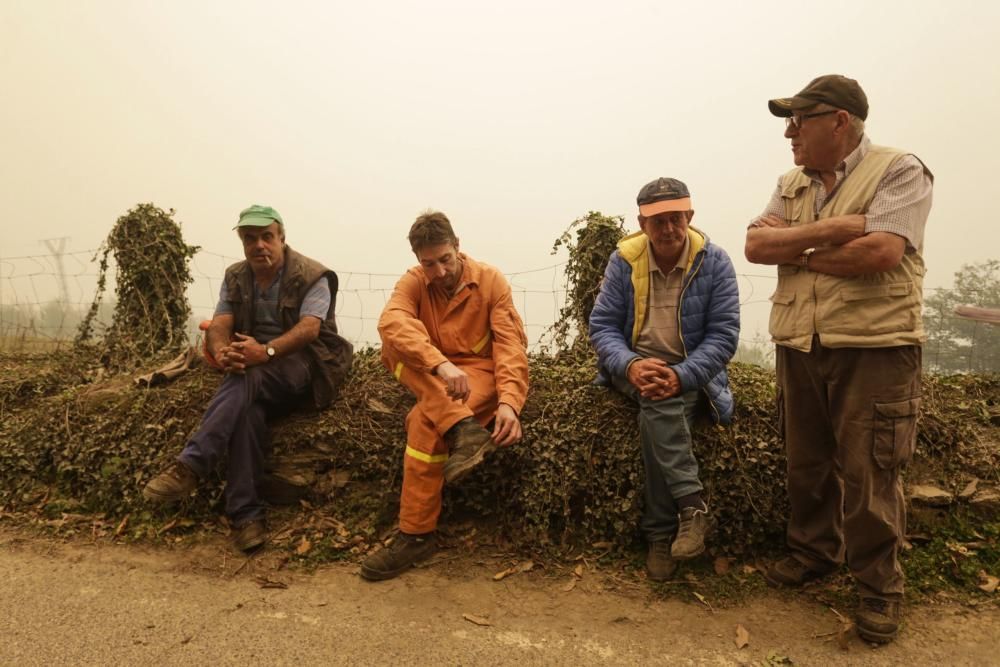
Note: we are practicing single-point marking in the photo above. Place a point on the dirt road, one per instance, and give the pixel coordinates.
(116, 605)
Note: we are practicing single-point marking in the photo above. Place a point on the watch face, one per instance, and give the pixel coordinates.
(270, 351)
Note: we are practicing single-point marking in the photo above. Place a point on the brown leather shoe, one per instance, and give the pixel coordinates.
(790, 571)
(468, 443)
(878, 619)
(660, 565)
(404, 552)
(173, 484)
(250, 535)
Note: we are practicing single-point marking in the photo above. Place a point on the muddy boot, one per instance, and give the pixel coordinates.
(878, 619)
(173, 484)
(790, 571)
(660, 565)
(250, 535)
(690, 540)
(468, 443)
(404, 552)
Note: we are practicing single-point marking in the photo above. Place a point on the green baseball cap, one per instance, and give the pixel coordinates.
(258, 216)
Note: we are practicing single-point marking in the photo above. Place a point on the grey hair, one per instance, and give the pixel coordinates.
(857, 126)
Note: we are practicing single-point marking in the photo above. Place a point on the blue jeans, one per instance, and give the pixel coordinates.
(235, 427)
(671, 469)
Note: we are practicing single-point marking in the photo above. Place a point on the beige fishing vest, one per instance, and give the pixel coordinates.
(872, 310)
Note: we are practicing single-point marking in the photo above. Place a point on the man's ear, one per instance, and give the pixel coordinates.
(690, 216)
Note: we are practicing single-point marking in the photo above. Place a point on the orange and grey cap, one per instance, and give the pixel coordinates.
(833, 89)
(663, 195)
(258, 216)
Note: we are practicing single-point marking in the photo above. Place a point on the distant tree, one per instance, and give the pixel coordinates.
(957, 344)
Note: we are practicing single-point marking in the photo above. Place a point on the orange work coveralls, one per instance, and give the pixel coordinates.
(479, 330)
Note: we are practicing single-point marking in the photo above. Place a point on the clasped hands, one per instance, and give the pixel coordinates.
(654, 379)
(507, 426)
(241, 354)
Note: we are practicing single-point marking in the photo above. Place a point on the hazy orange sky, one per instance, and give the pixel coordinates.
(514, 118)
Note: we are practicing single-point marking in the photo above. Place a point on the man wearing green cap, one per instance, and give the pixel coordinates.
(846, 231)
(275, 336)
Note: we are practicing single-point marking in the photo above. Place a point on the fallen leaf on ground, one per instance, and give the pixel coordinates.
(569, 586)
(721, 565)
(775, 658)
(478, 620)
(989, 582)
(304, 546)
(578, 571)
(701, 599)
(515, 569)
(749, 569)
(742, 636)
(844, 634)
(121, 526)
(602, 545)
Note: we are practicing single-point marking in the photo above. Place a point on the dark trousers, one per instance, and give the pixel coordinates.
(234, 427)
(849, 422)
(670, 466)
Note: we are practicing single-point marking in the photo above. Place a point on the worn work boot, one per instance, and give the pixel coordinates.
(468, 443)
(690, 540)
(173, 484)
(250, 535)
(790, 571)
(878, 619)
(660, 565)
(404, 552)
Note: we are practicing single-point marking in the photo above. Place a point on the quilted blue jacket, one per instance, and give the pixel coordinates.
(709, 317)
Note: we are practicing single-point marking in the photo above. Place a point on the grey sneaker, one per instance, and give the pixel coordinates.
(878, 619)
(690, 540)
(173, 484)
(404, 552)
(468, 443)
(660, 565)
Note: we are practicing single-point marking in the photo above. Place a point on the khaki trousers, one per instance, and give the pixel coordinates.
(848, 416)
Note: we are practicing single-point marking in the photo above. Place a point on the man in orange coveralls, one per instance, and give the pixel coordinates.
(451, 334)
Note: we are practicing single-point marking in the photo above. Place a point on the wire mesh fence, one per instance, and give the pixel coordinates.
(44, 297)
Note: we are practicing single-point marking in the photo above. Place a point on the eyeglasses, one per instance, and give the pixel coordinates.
(796, 121)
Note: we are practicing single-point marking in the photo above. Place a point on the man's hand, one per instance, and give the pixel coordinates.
(456, 382)
(507, 427)
(654, 379)
(242, 354)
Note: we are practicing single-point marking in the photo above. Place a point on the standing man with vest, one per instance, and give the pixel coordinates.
(665, 324)
(275, 336)
(846, 230)
(451, 335)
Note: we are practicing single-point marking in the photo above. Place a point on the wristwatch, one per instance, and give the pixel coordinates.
(270, 352)
(804, 257)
